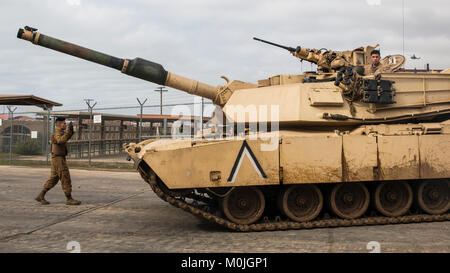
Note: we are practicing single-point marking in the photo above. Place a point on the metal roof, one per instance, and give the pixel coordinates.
(86, 115)
(171, 118)
(105, 116)
(30, 100)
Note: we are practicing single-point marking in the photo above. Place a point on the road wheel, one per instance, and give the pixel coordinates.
(301, 203)
(244, 205)
(393, 198)
(349, 200)
(433, 196)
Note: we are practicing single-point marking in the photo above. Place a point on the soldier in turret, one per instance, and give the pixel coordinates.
(59, 169)
(375, 67)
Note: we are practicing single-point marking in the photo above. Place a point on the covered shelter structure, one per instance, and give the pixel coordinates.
(28, 100)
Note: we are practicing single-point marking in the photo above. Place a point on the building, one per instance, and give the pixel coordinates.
(23, 130)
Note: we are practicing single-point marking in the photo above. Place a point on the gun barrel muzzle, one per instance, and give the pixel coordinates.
(70, 49)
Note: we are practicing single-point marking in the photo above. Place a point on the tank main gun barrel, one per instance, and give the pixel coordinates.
(138, 67)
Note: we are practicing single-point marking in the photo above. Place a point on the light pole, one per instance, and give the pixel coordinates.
(160, 89)
(11, 131)
(88, 102)
(140, 120)
(47, 134)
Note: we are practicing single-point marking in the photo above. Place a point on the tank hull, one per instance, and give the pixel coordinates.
(373, 174)
(368, 153)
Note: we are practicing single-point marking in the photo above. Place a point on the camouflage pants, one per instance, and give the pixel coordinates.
(59, 171)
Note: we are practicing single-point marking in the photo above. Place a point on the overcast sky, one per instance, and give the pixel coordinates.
(200, 39)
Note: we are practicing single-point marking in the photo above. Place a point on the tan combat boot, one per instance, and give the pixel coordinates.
(40, 198)
(71, 201)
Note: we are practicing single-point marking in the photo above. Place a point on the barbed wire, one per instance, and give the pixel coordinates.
(125, 107)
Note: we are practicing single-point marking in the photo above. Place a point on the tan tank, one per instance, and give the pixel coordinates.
(326, 149)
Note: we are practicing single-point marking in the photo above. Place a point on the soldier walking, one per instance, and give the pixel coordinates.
(59, 169)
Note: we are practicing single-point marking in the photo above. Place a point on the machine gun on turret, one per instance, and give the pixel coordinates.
(332, 61)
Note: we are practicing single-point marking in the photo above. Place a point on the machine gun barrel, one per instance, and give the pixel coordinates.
(139, 68)
(310, 55)
(290, 49)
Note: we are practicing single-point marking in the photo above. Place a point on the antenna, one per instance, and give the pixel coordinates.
(403, 16)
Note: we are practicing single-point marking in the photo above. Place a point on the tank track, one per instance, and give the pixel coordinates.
(275, 225)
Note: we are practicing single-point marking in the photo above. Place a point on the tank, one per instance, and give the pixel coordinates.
(336, 147)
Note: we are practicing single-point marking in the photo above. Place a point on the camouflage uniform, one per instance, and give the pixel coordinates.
(59, 169)
(370, 69)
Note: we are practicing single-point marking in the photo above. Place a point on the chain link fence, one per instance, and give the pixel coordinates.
(25, 140)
